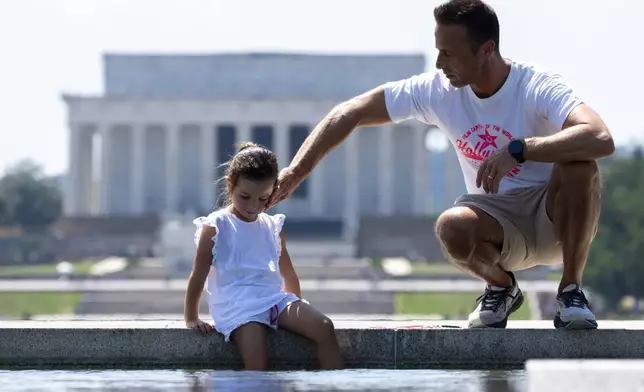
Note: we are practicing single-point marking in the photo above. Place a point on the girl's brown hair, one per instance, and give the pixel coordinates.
(253, 162)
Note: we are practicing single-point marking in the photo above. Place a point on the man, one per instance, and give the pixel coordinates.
(527, 147)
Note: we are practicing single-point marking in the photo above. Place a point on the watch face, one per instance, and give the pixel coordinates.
(515, 147)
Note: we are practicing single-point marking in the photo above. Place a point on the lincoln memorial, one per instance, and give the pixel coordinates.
(154, 140)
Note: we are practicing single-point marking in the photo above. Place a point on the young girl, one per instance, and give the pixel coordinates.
(252, 286)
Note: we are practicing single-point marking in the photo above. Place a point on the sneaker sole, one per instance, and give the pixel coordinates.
(575, 324)
(503, 323)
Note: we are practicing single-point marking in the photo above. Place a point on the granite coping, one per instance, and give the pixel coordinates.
(387, 344)
(357, 285)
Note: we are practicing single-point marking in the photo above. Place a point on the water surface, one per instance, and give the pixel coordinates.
(208, 380)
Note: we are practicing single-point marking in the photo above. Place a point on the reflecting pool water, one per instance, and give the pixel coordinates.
(209, 380)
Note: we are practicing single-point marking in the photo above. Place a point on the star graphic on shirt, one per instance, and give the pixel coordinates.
(488, 140)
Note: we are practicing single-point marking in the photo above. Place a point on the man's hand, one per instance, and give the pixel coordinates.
(287, 182)
(493, 169)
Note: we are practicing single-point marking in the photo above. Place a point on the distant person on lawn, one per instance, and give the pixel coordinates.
(527, 146)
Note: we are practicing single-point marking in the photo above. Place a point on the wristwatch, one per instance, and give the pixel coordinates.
(516, 148)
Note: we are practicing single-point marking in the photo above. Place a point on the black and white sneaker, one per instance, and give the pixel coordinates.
(496, 305)
(572, 310)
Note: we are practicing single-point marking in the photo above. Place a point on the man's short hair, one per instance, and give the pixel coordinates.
(479, 18)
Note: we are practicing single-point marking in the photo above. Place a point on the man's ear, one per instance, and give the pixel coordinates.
(488, 48)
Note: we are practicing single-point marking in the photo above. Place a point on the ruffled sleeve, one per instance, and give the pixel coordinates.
(278, 223)
(210, 220)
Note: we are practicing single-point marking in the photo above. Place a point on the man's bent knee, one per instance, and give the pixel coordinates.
(456, 230)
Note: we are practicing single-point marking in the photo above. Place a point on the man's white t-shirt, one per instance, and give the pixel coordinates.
(531, 102)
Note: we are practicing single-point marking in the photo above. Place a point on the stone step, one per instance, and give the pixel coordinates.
(332, 248)
(305, 272)
(364, 344)
(172, 302)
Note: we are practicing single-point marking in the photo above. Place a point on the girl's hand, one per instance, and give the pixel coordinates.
(200, 326)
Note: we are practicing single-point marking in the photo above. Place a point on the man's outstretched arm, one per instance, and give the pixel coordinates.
(364, 110)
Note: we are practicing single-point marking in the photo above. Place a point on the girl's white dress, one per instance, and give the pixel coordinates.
(244, 283)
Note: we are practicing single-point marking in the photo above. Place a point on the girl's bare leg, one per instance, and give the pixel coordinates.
(305, 320)
(251, 342)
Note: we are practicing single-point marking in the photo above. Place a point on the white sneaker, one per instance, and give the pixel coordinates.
(496, 305)
(572, 310)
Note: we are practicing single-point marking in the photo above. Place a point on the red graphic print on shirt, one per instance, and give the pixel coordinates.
(480, 141)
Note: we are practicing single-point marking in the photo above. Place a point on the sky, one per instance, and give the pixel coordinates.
(51, 47)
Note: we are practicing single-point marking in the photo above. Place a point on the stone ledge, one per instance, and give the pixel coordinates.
(410, 345)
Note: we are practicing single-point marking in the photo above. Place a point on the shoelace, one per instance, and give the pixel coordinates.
(574, 298)
(493, 299)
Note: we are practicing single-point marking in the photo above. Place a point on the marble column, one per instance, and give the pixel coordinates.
(386, 169)
(316, 188)
(208, 169)
(282, 148)
(283, 152)
(106, 159)
(138, 166)
(351, 212)
(243, 134)
(172, 167)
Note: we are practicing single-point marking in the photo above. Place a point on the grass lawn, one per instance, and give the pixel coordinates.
(554, 275)
(450, 305)
(436, 268)
(81, 268)
(19, 303)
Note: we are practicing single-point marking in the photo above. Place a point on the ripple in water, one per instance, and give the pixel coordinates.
(208, 380)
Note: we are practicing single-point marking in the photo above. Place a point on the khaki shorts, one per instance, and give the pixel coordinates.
(528, 233)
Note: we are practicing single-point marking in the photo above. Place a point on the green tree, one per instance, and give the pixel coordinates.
(4, 214)
(28, 198)
(615, 265)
